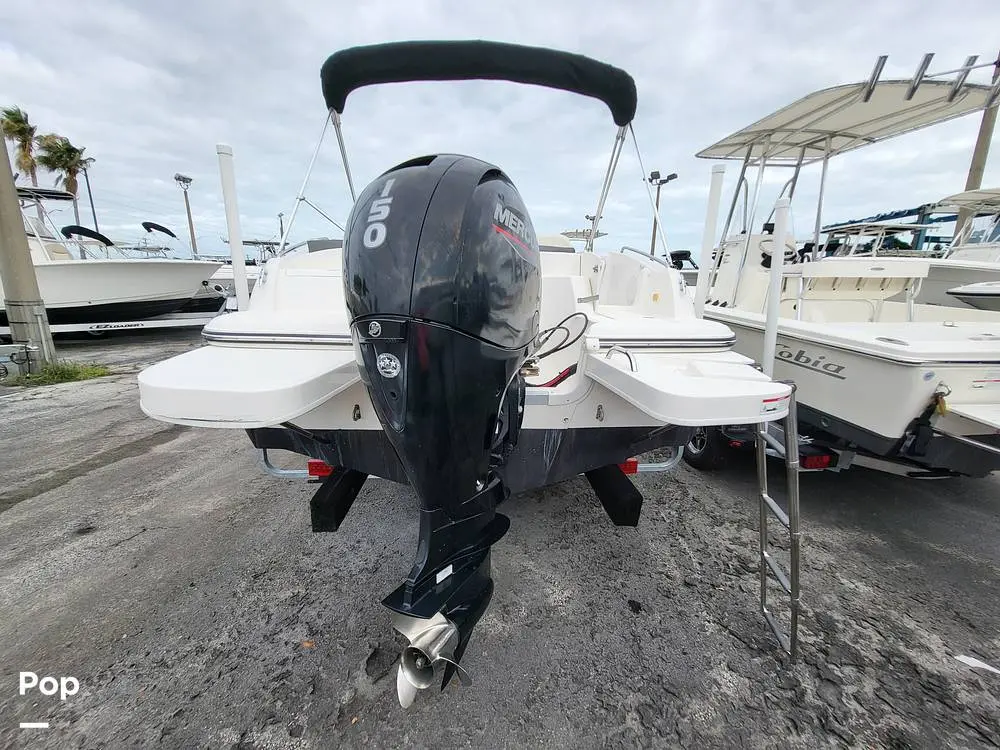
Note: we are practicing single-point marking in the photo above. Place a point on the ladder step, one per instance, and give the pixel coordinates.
(783, 441)
(775, 444)
(775, 508)
(778, 573)
(778, 632)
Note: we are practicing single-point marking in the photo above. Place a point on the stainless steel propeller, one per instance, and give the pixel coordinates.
(432, 644)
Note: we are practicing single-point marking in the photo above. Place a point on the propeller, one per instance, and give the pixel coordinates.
(431, 649)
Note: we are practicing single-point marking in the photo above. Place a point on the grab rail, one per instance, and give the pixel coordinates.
(624, 351)
(646, 255)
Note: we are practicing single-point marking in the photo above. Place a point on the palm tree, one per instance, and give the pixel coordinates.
(18, 130)
(66, 160)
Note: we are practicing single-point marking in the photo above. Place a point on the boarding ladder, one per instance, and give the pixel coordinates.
(769, 566)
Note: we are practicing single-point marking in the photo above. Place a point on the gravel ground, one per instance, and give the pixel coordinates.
(184, 590)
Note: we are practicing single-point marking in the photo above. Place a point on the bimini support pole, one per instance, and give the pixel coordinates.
(761, 165)
(819, 200)
(781, 209)
(706, 265)
(335, 116)
(740, 183)
(653, 204)
(301, 195)
(228, 175)
(616, 152)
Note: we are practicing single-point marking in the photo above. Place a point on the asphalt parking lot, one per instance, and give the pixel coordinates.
(183, 589)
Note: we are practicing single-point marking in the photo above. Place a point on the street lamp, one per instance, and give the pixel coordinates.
(185, 182)
(655, 179)
(281, 224)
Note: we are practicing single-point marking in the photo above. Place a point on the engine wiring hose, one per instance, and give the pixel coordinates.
(567, 342)
(541, 339)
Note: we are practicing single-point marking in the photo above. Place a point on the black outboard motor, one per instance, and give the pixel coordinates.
(442, 280)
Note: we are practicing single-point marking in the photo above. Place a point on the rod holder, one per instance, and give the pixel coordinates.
(873, 79)
(956, 85)
(918, 77)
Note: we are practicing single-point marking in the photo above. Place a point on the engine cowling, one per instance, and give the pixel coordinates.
(442, 281)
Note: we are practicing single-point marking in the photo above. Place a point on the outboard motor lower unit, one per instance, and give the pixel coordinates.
(442, 280)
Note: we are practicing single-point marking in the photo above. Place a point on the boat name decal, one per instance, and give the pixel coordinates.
(816, 363)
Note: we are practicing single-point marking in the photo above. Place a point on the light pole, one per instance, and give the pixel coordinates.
(281, 224)
(185, 182)
(655, 179)
(90, 194)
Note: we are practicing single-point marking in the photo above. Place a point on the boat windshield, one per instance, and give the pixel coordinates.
(985, 230)
(35, 227)
(871, 240)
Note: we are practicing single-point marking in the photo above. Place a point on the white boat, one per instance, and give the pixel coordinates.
(214, 289)
(972, 257)
(442, 348)
(974, 254)
(915, 385)
(983, 296)
(89, 281)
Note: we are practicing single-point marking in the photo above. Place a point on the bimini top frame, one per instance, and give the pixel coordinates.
(843, 118)
(836, 120)
(398, 62)
(983, 201)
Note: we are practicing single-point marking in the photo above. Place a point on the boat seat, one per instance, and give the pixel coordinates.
(850, 289)
(56, 251)
(834, 310)
(558, 263)
(619, 282)
(874, 279)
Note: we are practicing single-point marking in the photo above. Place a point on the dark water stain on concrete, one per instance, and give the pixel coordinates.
(105, 458)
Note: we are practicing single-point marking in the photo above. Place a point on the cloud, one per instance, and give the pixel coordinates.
(150, 88)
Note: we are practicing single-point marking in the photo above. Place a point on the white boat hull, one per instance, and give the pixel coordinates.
(947, 274)
(898, 405)
(94, 290)
(853, 386)
(983, 296)
(647, 373)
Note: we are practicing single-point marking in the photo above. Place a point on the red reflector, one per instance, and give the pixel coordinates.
(629, 467)
(735, 443)
(319, 468)
(816, 462)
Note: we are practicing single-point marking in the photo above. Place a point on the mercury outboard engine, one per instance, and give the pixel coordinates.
(442, 280)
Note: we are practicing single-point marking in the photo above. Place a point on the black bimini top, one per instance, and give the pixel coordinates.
(72, 230)
(151, 226)
(398, 62)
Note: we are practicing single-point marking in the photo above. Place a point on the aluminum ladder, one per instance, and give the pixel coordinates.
(769, 566)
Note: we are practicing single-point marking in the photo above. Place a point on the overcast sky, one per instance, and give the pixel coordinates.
(150, 88)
